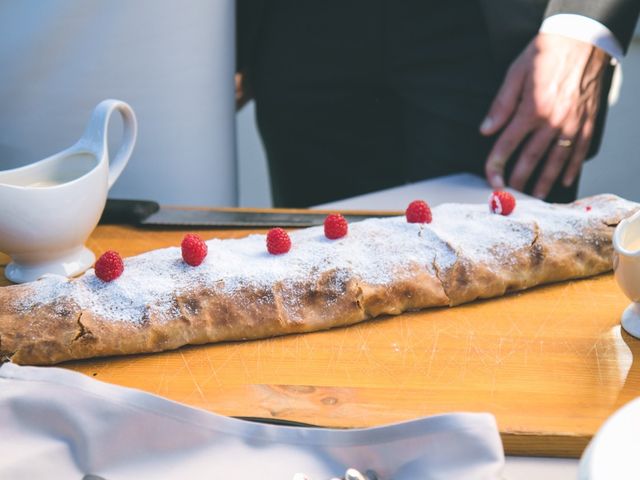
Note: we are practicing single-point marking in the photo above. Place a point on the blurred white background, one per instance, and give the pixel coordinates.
(172, 61)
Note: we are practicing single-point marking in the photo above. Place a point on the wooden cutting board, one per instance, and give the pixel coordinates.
(551, 363)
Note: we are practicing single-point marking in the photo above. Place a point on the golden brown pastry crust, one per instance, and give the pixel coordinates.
(61, 328)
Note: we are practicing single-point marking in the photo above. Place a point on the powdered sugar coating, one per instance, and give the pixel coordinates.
(376, 251)
(480, 235)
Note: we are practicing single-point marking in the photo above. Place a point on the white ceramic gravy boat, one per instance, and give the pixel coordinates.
(49, 208)
(626, 264)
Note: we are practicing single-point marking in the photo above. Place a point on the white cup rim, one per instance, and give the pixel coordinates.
(617, 236)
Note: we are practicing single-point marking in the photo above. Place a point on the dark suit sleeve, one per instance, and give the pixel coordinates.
(249, 18)
(619, 16)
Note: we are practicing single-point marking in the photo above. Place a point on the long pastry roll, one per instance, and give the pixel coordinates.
(241, 292)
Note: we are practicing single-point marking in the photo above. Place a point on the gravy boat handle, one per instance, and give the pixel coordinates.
(95, 135)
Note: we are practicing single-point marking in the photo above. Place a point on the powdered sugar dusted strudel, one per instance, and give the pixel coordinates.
(240, 291)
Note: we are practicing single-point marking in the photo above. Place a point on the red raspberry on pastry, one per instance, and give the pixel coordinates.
(335, 226)
(278, 241)
(502, 202)
(109, 266)
(418, 212)
(194, 249)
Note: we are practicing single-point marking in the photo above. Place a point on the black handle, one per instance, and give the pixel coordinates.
(129, 212)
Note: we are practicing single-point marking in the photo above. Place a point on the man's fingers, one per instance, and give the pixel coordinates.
(238, 81)
(558, 156)
(494, 172)
(505, 102)
(583, 141)
(533, 151)
(554, 84)
(507, 143)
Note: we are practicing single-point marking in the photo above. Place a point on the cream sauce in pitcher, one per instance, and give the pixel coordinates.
(49, 208)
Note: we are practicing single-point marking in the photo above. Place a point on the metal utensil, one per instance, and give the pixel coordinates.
(139, 212)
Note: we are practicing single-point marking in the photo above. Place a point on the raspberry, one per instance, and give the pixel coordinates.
(194, 250)
(588, 208)
(278, 241)
(418, 212)
(109, 266)
(502, 202)
(335, 226)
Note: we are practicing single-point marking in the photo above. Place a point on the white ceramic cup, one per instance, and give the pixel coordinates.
(626, 264)
(49, 208)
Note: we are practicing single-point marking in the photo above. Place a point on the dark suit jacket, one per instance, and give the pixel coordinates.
(511, 25)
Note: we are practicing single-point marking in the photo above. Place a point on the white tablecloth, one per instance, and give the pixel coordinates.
(60, 424)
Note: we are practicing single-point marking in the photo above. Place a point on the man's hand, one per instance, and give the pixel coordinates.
(243, 96)
(547, 107)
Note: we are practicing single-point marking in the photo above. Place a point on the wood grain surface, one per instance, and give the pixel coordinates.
(551, 363)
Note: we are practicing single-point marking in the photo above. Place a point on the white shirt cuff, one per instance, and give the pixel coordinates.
(584, 29)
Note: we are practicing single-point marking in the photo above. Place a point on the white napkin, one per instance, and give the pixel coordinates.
(60, 424)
